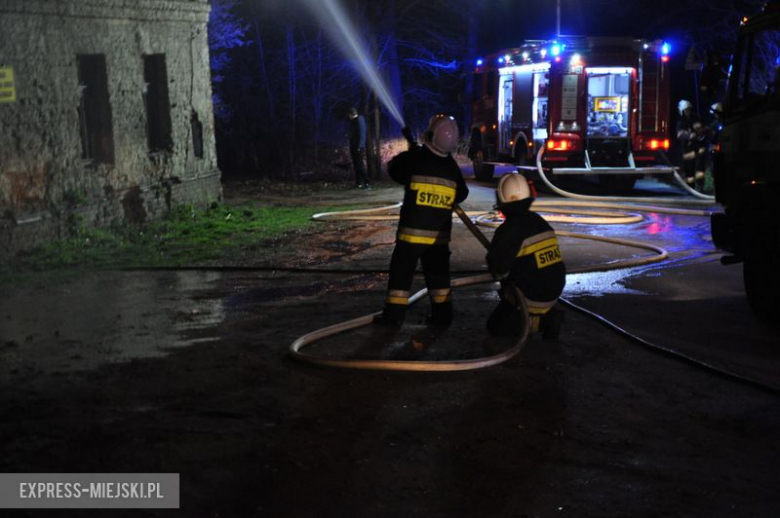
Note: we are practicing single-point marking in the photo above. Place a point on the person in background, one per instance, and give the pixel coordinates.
(692, 136)
(524, 255)
(357, 148)
(713, 133)
(433, 184)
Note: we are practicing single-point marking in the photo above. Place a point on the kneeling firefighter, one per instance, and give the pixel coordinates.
(433, 183)
(524, 255)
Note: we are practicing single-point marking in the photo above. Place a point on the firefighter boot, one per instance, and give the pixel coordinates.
(393, 315)
(550, 324)
(441, 314)
(700, 181)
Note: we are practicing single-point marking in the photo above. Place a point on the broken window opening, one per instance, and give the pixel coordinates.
(158, 108)
(197, 134)
(95, 124)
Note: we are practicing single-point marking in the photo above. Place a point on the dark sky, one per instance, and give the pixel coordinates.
(506, 23)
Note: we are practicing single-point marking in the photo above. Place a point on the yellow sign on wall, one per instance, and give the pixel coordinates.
(7, 88)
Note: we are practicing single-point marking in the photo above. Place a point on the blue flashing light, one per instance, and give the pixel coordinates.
(665, 49)
(555, 50)
(501, 59)
(479, 62)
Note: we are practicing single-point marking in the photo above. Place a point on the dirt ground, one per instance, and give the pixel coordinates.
(187, 372)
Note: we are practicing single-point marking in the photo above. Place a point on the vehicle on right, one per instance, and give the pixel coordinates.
(746, 167)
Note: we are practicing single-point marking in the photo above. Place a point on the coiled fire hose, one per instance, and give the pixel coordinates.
(297, 347)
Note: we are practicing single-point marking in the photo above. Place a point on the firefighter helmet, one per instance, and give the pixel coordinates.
(512, 187)
(717, 109)
(683, 105)
(441, 137)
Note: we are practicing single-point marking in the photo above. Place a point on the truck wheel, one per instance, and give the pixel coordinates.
(761, 274)
(482, 171)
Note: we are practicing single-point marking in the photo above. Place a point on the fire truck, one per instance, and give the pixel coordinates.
(746, 171)
(590, 105)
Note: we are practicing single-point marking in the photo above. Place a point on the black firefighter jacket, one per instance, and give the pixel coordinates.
(432, 184)
(525, 249)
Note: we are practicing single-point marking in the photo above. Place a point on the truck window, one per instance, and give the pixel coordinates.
(759, 61)
(539, 110)
(608, 102)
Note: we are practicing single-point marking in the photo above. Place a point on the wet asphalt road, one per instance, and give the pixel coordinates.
(161, 371)
(689, 302)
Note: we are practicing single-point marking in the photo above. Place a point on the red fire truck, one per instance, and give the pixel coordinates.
(585, 105)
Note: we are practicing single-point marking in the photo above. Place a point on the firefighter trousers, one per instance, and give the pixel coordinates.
(507, 320)
(435, 260)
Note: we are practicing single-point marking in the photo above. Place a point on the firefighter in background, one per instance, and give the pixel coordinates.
(357, 148)
(433, 183)
(692, 136)
(713, 133)
(524, 255)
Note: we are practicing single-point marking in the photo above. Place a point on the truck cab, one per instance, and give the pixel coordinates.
(746, 167)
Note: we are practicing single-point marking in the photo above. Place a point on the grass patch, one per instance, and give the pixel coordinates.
(186, 236)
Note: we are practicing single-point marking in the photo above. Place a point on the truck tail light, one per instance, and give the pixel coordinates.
(655, 144)
(560, 145)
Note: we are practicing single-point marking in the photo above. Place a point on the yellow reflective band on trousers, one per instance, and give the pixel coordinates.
(545, 252)
(539, 308)
(440, 296)
(534, 322)
(422, 237)
(399, 297)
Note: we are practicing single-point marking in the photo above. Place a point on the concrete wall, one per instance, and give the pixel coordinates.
(43, 177)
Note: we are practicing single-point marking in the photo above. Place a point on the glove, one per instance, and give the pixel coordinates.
(407, 133)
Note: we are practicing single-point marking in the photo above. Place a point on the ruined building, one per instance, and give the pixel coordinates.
(105, 114)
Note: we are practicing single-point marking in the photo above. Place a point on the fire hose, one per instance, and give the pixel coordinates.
(297, 347)
(704, 199)
(472, 364)
(573, 200)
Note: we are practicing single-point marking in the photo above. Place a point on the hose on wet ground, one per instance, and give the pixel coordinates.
(479, 363)
(297, 347)
(727, 374)
(413, 365)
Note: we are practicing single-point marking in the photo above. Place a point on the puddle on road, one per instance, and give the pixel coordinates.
(686, 238)
(599, 283)
(261, 295)
(105, 318)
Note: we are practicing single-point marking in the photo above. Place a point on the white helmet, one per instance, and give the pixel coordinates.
(512, 187)
(683, 105)
(716, 109)
(441, 137)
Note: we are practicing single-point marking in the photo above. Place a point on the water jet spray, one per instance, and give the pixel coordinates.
(343, 33)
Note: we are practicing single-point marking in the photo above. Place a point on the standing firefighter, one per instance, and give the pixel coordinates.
(693, 140)
(357, 148)
(524, 255)
(433, 183)
(713, 133)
